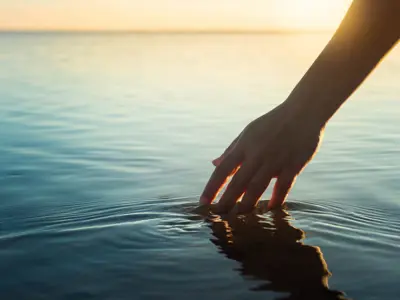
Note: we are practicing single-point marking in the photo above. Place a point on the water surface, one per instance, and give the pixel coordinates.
(106, 143)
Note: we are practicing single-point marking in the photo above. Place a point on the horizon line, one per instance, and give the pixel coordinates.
(169, 31)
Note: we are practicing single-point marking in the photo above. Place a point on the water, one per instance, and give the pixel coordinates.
(106, 143)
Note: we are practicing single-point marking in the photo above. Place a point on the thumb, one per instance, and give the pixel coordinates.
(217, 161)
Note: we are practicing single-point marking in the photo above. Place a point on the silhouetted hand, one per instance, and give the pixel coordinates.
(278, 144)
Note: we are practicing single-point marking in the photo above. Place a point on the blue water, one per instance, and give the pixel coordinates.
(106, 143)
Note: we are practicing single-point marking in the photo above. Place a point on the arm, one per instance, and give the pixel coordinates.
(280, 143)
(369, 30)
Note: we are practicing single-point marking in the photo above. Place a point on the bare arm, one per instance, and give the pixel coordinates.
(369, 30)
(280, 143)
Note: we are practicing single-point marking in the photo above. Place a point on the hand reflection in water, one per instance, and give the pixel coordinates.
(270, 249)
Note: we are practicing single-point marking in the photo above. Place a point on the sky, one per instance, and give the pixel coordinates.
(172, 15)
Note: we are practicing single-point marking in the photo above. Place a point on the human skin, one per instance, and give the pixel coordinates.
(280, 143)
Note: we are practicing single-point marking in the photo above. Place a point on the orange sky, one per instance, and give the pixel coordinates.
(171, 14)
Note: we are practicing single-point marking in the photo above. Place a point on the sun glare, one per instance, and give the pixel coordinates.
(313, 14)
(174, 14)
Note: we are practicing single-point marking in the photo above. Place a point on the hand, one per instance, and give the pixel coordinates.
(278, 145)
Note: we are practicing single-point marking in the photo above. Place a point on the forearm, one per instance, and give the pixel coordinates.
(369, 30)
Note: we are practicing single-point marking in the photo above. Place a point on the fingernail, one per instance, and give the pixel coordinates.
(216, 161)
(204, 201)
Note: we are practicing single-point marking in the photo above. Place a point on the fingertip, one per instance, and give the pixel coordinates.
(277, 200)
(272, 204)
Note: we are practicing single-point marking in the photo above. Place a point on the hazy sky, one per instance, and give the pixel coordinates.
(171, 14)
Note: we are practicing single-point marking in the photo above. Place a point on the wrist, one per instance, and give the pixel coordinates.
(309, 111)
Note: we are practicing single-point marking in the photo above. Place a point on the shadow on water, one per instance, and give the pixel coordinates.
(271, 250)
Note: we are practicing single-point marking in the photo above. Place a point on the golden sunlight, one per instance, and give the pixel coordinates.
(312, 14)
(184, 15)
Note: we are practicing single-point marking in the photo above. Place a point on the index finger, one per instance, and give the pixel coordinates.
(218, 178)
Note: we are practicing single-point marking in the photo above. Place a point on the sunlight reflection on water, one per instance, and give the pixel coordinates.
(104, 137)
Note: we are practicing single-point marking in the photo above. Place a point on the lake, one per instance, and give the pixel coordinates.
(106, 145)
